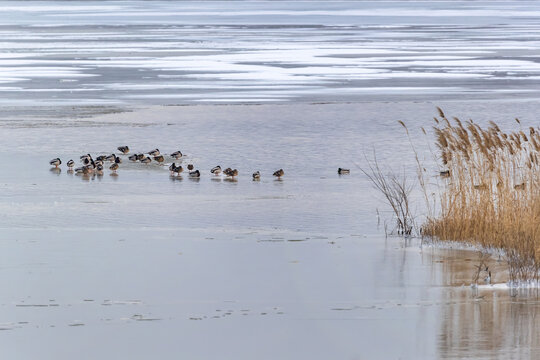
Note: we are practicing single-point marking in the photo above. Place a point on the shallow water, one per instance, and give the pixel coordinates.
(124, 265)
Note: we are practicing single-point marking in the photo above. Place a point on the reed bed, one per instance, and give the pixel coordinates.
(489, 191)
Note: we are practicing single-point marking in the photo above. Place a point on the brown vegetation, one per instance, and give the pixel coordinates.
(490, 194)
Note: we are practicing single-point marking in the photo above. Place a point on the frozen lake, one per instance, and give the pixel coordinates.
(118, 53)
(144, 265)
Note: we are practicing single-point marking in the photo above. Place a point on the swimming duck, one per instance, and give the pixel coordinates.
(342, 171)
(140, 156)
(177, 154)
(114, 167)
(257, 175)
(216, 170)
(190, 167)
(55, 162)
(159, 158)
(123, 149)
(194, 174)
(146, 160)
(279, 173)
(70, 164)
(154, 152)
(133, 157)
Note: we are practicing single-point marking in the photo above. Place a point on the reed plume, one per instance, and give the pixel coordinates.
(490, 194)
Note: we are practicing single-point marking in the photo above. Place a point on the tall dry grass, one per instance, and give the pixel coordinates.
(490, 195)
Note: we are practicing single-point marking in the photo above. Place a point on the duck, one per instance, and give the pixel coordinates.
(123, 149)
(133, 157)
(154, 152)
(99, 167)
(257, 175)
(159, 158)
(91, 167)
(55, 162)
(86, 159)
(177, 154)
(98, 162)
(81, 170)
(140, 156)
(110, 158)
(114, 167)
(279, 173)
(70, 163)
(230, 172)
(190, 167)
(175, 169)
(83, 157)
(445, 173)
(342, 171)
(146, 160)
(216, 170)
(194, 174)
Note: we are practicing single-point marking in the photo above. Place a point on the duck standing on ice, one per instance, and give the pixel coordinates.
(216, 170)
(56, 162)
(279, 173)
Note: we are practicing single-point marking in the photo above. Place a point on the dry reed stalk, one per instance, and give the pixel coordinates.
(491, 191)
(396, 188)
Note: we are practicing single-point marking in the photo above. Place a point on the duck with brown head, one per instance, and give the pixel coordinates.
(279, 173)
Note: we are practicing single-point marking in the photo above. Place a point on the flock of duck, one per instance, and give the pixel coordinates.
(89, 165)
